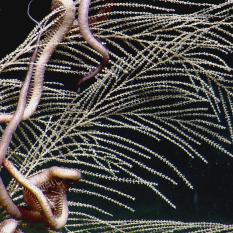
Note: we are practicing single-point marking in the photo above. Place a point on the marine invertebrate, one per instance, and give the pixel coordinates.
(169, 82)
(45, 194)
(9, 226)
(5, 200)
(52, 38)
(90, 39)
(24, 111)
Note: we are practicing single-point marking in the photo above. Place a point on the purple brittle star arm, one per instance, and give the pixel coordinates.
(5, 200)
(37, 200)
(90, 39)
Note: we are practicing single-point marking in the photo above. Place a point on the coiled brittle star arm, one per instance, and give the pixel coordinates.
(90, 39)
(45, 194)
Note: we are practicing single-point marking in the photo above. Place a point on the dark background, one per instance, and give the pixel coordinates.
(211, 199)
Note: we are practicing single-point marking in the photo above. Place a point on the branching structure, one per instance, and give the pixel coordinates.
(45, 193)
(167, 80)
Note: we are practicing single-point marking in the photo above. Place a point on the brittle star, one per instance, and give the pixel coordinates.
(5, 200)
(37, 68)
(36, 199)
(52, 38)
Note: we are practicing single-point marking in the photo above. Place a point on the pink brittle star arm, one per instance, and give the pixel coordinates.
(90, 39)
(37, 70)
(23, 112)
(5, 200)
(41, 205)
(9, 226)
(52, 39)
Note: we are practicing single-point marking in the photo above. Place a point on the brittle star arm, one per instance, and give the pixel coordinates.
(38, 201)
(90, 39)
(5, 200)
(17, 116)
(9, 226)
(21, 113)
(51, 40)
